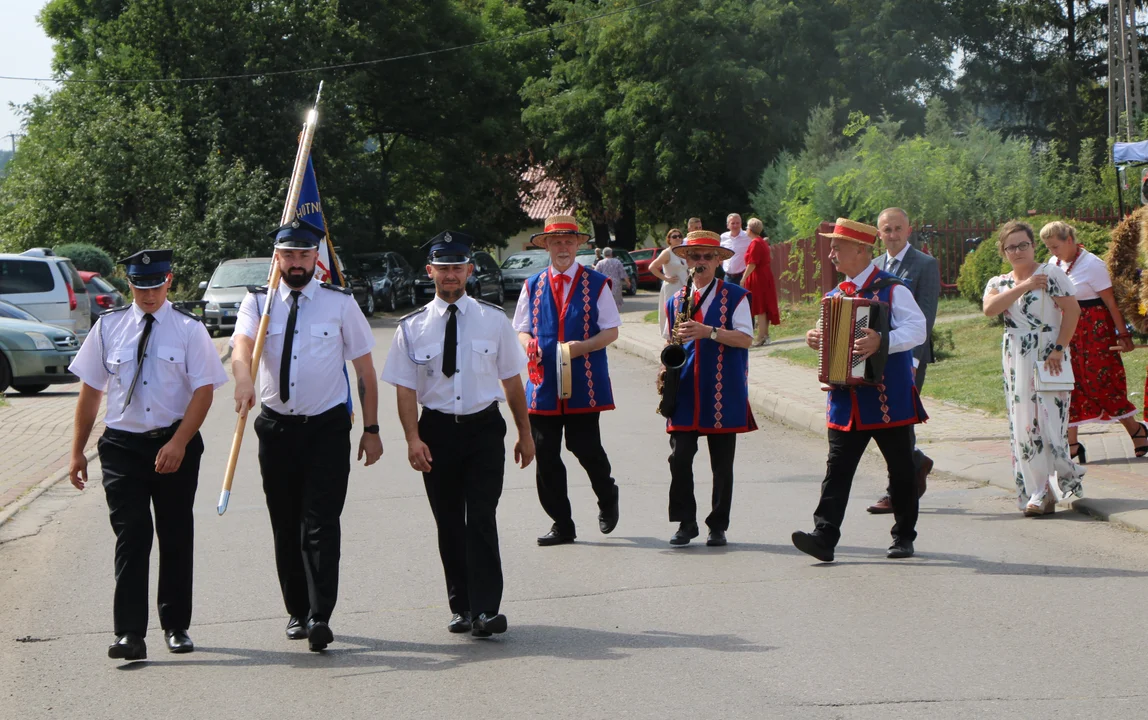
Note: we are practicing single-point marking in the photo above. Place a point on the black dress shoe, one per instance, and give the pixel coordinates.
(813, 544)
(319, 635)
(178, 641)
(296, 630)
(128, 646)
(608, 519)
(900, 549)
(487, 625)
(556, 537)
(716, 538)
(460, 623)
(686, 531)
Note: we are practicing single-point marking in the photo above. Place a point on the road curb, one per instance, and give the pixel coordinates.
(39, 489)
(793, 414)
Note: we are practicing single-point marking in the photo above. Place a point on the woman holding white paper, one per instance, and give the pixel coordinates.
(1040, 316)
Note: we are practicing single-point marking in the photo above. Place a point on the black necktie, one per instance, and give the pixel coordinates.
(450, 344)
(288, 341)
(141, 349)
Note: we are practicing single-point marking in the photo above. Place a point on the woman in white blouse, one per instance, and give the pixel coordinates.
(1101, 394)
(671, 270)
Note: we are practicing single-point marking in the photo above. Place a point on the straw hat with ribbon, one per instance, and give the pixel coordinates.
(846, 229)
(703, 239)
(558, 225)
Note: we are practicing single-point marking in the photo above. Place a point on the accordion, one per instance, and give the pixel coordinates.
(843, 320)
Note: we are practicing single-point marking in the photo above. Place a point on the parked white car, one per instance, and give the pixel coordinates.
(48, 287)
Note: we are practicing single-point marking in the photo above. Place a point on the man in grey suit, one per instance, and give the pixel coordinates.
(921, 274)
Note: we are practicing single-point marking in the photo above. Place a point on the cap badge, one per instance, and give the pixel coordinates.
(446, 238)
(145, 259)
(295, 224)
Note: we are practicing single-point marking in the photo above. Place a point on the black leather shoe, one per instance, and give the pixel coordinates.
(128, 646)
(813, 544)
(487, 625)
(319, 635)
(686, 531)
(716, 538)
(900, 549)
(296, 630)
(608, 519)
(556, 537)
(460, 623)
(178, 641)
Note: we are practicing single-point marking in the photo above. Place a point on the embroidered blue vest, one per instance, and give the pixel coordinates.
(894, 401)
(590, 382)
(713, 395)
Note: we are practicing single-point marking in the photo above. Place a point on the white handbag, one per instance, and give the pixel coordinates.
(1044, 380)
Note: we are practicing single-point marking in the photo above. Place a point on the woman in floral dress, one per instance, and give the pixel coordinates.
(1101, 394)
(1040, 315)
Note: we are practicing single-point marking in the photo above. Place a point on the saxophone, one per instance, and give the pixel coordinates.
(674, 355)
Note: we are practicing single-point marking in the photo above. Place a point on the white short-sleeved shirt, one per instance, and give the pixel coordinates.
(178, 360)
(742, 319)
(608, 316)
(1089, 274)
(329, 330)
(739, 245)
(488, 351)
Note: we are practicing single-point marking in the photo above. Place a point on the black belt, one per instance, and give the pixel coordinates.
(484, 414)
(158, 433)
(1094, 302)
(301, 419)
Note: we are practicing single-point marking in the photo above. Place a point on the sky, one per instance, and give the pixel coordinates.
(24, 51)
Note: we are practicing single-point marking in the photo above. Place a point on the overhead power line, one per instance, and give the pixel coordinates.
(339, 66)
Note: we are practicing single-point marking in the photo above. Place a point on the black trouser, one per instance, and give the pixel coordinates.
(683, 506)
(918, 456)
(133, 487)
(305, 467)
(463, 487)
(845, 451)
(584, 440)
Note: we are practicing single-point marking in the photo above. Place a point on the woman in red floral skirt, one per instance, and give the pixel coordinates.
(1101, 393)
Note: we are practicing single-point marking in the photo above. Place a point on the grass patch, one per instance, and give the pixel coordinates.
(956, 305)
(651, 317)
(3, 400)
(970, 374)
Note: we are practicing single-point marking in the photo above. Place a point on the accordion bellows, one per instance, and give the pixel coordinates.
(843, 320)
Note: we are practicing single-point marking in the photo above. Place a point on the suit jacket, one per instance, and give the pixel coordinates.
(922, 275)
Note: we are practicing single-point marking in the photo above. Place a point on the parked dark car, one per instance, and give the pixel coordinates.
(586, 257)
(359, 287)
(391, 280)
(485, 283)
(521, 265)
(103, 294)
(642, 259)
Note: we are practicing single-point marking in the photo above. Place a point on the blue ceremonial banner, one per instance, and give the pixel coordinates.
(310, 208)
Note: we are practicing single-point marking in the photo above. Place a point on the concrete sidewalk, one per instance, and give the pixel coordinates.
(966, 443)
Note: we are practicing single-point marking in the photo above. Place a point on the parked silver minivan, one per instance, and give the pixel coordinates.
(47, 286)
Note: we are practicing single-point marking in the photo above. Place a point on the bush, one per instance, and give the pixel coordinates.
(985, 262)
(86, 256)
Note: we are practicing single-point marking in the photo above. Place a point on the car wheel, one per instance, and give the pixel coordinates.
(501, 295)
(5, 374)
(414, 296)
(369, 310)
(392, 299)
(30, 389)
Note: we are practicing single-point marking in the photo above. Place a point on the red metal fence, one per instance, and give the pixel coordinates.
(802, 269)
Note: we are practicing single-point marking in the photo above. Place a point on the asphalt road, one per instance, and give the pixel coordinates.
(997, 616)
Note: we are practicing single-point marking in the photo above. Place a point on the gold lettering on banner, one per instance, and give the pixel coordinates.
(308, 208)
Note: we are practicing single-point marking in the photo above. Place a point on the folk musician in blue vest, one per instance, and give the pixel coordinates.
(713, 386)
(567, 313)
(885, 413)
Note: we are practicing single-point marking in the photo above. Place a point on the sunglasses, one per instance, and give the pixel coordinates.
(696, 256)
(675, 237)
(1019, 247)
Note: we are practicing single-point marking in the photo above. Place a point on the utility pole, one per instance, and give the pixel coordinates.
(1124, 98)
(12, 137)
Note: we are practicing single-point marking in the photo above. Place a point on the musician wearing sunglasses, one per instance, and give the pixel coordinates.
(710, 320)
(884, 412)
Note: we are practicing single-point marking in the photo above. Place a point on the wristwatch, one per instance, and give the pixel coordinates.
(713, 333)
(372, 429)
(1058, 348)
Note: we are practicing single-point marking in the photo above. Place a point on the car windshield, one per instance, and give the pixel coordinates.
(8, 310)
(240, 275)
(526, 260)
(99, 285)
(643, 254)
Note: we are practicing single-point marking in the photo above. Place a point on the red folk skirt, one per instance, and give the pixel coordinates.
(1101, 393)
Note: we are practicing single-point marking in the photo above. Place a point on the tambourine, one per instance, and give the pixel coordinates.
(534, 362)
(562, 363)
